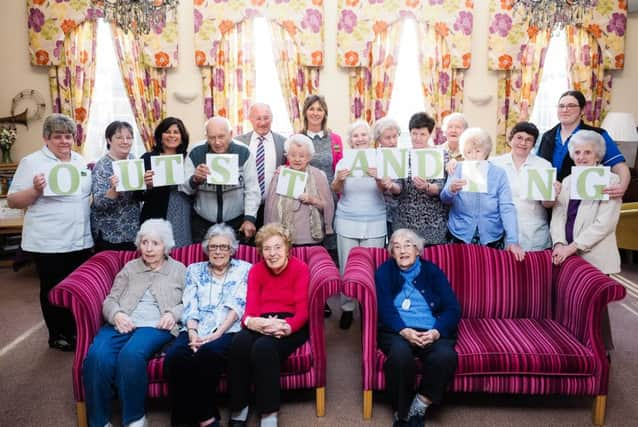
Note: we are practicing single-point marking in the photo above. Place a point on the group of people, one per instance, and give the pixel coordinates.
(225, 314)
(264, 306)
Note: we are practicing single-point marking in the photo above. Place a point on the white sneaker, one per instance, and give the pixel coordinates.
(139, 423)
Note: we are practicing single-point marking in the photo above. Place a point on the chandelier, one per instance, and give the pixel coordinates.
(137, 16)
(553, 14)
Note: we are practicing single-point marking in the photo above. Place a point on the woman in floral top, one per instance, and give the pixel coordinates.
(214, 302)
(115, 215)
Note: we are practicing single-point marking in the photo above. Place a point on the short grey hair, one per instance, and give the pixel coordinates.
(409, 235)
(300, 140)
(160, 228)
(354, 126)
(453, 117)
(584, 137)
(58, 123)
(476, 136)
(221, 230)
(384, 124)
(219, 119)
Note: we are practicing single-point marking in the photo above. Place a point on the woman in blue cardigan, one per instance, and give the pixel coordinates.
(418, 317)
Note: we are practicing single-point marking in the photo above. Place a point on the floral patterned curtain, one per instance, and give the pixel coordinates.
(442, 83)
(296, 79)
(223, 50)
(71, 82)
(517, 88)
(445, 32)
(587, 73)
(371, 85)
(145, 85)
(228, 82)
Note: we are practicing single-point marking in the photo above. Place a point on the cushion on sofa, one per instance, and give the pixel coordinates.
(520, 346)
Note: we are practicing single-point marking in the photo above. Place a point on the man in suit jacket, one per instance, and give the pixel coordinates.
(260, 117)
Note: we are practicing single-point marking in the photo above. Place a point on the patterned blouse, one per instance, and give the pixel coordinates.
(116, 220)
(208, 300)
(424, 214)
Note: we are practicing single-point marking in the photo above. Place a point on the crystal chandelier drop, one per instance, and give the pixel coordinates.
(553, 14)
(137, 16)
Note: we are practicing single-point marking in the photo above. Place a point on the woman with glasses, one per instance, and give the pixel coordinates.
(115, 215)
(275, 325)
(554, 143)
(171, 137)
(214, 301)
(418, 317)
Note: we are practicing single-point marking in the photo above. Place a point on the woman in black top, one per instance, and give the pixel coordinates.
(168, 202)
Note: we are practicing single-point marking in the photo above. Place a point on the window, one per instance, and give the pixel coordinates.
(405, 100)
(267, 85)
(553, 83)
(110, 101)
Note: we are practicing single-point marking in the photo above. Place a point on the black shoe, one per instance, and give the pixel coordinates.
(236, 423)
(416, 421)
(327, 311)
(61, 343)
(346, 320)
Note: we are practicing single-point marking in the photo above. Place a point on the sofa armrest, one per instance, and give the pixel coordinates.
(358, 283)
(83, 292)
(324, 282)
(581, 292)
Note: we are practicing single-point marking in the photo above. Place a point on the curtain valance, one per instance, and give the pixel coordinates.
(301, 19)
(360, 22)
(49, 22)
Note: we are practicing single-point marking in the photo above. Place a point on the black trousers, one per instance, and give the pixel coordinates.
(256, 358)
(103, 245)
(52, 269)
(193, 378)
(439, 362)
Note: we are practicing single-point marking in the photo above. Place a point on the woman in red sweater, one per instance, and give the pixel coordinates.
(275, 324)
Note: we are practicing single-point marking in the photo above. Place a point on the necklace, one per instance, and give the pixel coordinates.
(405, 305)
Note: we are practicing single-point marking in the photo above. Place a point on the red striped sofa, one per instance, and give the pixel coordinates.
(86, 288)
(526, 327)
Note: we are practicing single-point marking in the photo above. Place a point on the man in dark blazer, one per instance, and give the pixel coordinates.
(260, 117)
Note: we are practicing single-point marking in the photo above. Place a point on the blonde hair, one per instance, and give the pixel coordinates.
(270, 230)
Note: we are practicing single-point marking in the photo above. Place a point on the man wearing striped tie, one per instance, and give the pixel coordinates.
(267, 148)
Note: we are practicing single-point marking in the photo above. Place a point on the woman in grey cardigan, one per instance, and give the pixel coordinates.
(141, 314)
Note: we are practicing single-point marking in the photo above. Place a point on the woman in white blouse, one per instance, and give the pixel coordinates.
(533, 226)
(57, 229)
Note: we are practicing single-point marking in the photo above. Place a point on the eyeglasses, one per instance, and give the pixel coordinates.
(567, 106)
(220, 248)
(405, 246)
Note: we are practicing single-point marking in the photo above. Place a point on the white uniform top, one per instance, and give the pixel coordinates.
(54, 224)
(533, 225)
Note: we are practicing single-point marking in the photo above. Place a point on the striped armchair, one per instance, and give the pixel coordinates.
(526, 327)
(86, 288)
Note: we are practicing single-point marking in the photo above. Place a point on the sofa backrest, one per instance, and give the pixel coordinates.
(490, 283)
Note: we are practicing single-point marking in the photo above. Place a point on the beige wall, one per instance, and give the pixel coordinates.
(18, 74)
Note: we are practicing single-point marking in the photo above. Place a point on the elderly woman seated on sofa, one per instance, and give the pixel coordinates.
(275, 325)
(141, 312)
(214, 301)
(587, 227)
(418, 316)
